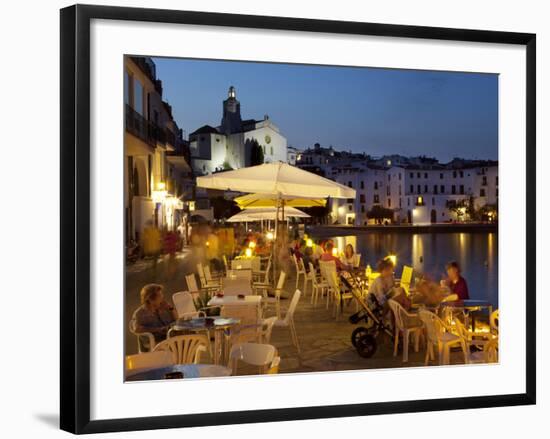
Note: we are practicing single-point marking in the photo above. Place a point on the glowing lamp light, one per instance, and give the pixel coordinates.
(309, 243)
(252, 244)
(161, 185)
(269, 235)
(208, 243)
(158, 196)
(392, 258)
(334, 251)
(248, 252)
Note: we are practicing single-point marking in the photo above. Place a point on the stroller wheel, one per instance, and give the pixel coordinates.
(357, 334)
(366, 346)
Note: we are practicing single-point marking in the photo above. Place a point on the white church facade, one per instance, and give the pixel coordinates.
(231, 144)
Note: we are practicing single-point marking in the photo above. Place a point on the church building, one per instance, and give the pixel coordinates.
(236, 143)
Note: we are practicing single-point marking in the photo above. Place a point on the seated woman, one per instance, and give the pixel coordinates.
(455, 282)
(154, 315)
(348, 258)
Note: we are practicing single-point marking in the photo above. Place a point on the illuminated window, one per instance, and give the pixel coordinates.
(420, 201)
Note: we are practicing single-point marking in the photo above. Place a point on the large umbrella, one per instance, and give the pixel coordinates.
(269, 213)
(278, 179)
(261, 201)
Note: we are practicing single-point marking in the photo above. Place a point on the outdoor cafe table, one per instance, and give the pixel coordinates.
(188, 371)
(207, 324)
(467, 307)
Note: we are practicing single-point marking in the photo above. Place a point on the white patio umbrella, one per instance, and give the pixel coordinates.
(268, 213)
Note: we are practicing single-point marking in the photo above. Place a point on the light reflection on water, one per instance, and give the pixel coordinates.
(477, 254)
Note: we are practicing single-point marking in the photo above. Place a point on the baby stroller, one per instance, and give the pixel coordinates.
(364, 338)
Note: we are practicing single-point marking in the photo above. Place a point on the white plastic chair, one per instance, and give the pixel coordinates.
(318, 285)
(257, 275)
(335, 290)
(357, 260)
(437, 335)
(254, 354)
(185, 306)
(276, 299)
(288, 321)
(149, 360)
(205, 285)
(404, 326)
(300, 269)
(192, 286)
(471, 338)
(148, 336)
(240, 274)
(489, 354)
(185, 349)
(327, 268)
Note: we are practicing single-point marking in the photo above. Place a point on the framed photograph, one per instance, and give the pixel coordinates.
(272, 218)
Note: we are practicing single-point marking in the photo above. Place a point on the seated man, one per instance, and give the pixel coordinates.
(328, 256)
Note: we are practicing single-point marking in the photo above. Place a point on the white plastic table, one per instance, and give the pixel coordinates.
(236, 286)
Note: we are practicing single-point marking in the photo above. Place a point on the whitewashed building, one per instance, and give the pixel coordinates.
(230, 145)
(416, 194)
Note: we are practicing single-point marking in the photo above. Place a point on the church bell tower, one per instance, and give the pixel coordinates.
(231, 120)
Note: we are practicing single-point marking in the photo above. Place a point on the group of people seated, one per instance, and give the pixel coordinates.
(323, 252)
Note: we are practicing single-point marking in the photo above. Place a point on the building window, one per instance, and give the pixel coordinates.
(411, 174)
(484, 180)
(418, 175)
(433, 201)
(400, 202)
(441, 176)
(399, 190)
(400, 177)
(361, 198)
(376, 198)
(408, 201)
(271, 150)
(388, 191)
(435, 189)
(425, 188)
(453, 189)
(420, 201)
(454, 174)
(482, 192)
(496, 180)
(362, 208)
(375, 185)
(350, 207)
(362, 184)
(389, 202)
(412, 189)
(350, 184)
(442, 189)
(461, 174)
(139, 105)
(389, 177)
(461, 189)
(425, 175)
(419, 189)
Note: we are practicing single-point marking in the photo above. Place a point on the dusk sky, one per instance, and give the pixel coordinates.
(376, 111)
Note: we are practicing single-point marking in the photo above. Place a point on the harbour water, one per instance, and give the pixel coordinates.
(477, 254)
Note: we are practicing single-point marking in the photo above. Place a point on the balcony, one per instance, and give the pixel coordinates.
(147, 131)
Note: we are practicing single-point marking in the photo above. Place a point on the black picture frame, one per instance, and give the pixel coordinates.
(75, 217)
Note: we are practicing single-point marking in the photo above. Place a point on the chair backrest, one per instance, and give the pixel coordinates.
(462, 331)
(292, 307)
(406, 278)
(200, 270)
(149, 360)
(267, 268)
(493, 320)
(311, 273)
(255, 354)
(225, 263)
(327, 267)
(183, 301)
(434, 326)
(267, 328)
(281, 281)
(396, 310)
(208, 274)
(490, 351)
(240, 274)
(357, 260)
(185, 349)
(247, 314)
(191, 283)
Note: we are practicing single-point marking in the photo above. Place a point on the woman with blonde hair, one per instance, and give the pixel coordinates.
(154, 315)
